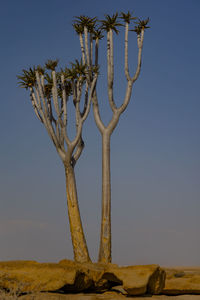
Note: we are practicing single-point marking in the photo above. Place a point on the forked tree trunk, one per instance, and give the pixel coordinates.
(105, 237)
(78, 239)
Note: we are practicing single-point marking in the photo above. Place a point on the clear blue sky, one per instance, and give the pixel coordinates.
(155, 148)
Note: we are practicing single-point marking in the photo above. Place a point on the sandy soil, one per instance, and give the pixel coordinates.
(106, 296)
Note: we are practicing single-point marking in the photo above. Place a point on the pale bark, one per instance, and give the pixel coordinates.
(82, 47)
(35, 106)
(64, 103)
(126, 53)
(86, 46)
(106, 132)
(57, 130)
(78, 239)
(91, 49)
(78, 150)
(105, 240)
(110, 69)
(55, 95)
(97, 116)
(46, 121)
(96, 51)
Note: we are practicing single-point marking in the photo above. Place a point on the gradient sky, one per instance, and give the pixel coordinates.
(155, 149)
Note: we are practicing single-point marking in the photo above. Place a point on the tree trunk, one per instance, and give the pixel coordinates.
(78, 239)
(105, 238)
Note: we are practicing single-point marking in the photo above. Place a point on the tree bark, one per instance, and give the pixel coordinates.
(78, 239)
(105, 237)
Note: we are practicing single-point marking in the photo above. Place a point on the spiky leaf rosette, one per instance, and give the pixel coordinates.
(78, 28)
(41, 70)
(48, 85)
(127, 17)
(97, 34)
(84, 21)
(143, 23)
(95, 70)
(110, 22)
(28, 78)
(79, 68)
(68, 88)
(51, 64)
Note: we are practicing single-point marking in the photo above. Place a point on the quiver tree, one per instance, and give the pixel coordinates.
(84, 26)
(50, 92)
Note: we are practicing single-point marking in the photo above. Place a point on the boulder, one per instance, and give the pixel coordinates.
(30, 276)
(95, 271)
(182, 281)
(137, 280)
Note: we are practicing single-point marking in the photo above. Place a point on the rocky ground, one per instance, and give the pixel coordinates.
(107, 296)
(67, 280)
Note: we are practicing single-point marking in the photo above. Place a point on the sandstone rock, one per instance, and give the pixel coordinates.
(94, 271)
(29, 276)
(137, 280)
(67, 276)
(182, 281)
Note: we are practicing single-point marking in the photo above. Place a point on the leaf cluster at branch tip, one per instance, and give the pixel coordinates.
(97, 34)
(141, 24)
(127, 17)
(28, 78)
(51, 64)
(110, 22)
(77, 71)
(40, 70)
(84, 21)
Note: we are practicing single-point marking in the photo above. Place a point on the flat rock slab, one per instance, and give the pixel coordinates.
(182, 281)
(137, 280)
(68, 276)
(26, 276)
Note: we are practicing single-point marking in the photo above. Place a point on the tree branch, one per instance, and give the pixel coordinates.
(86, 46)
(97, 117)
(40, 94)
(91, 49)
(110, 69)
(126, 52)
(79, 87)
(79, 150)
(82, 47)
(140, 45)
(86, 99)
(35, 105)
(111, 59)
(96, 51)
(64, 95)
(135, 77)
(47, 123)
(92, 90)
(114, 121)
(50, 113)
(55, 94)
(127, 97)
(79, 119)
(42, 82)
(55, 137)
